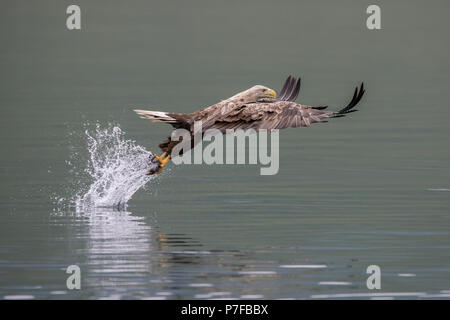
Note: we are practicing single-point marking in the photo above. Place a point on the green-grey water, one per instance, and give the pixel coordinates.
(368, 189)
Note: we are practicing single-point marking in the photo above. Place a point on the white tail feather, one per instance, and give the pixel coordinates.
(155, 116)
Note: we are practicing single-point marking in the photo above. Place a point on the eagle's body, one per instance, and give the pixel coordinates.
(255, 108)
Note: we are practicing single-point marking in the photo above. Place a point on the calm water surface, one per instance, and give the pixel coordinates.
(369, 189)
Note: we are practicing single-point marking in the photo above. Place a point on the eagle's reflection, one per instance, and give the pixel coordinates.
(118, 241)
(119, 246)
(126, 256)
(123, 251)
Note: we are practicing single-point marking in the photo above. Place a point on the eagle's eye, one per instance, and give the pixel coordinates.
(264, 90)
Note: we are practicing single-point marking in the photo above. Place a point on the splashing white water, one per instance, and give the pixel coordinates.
(117, 168)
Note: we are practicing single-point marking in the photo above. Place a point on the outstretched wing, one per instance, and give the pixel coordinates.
(281, 114)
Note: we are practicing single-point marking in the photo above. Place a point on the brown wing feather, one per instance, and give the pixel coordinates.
(277, 115)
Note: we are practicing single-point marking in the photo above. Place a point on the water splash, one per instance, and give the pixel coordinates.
(117, 168)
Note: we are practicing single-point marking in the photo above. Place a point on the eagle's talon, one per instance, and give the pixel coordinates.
(163, 160)
(158, 158)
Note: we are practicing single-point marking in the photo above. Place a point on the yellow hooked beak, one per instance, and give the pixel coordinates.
(271, 93)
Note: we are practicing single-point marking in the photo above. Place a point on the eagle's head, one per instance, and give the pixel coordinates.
(256, 93)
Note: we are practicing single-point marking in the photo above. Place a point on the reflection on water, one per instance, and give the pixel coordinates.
(118, 248)
(127, 256)
(123, 255)
(122, 251)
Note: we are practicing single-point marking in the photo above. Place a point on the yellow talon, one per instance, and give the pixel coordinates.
(163, 160)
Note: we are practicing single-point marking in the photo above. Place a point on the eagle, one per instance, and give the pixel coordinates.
(256, 108)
